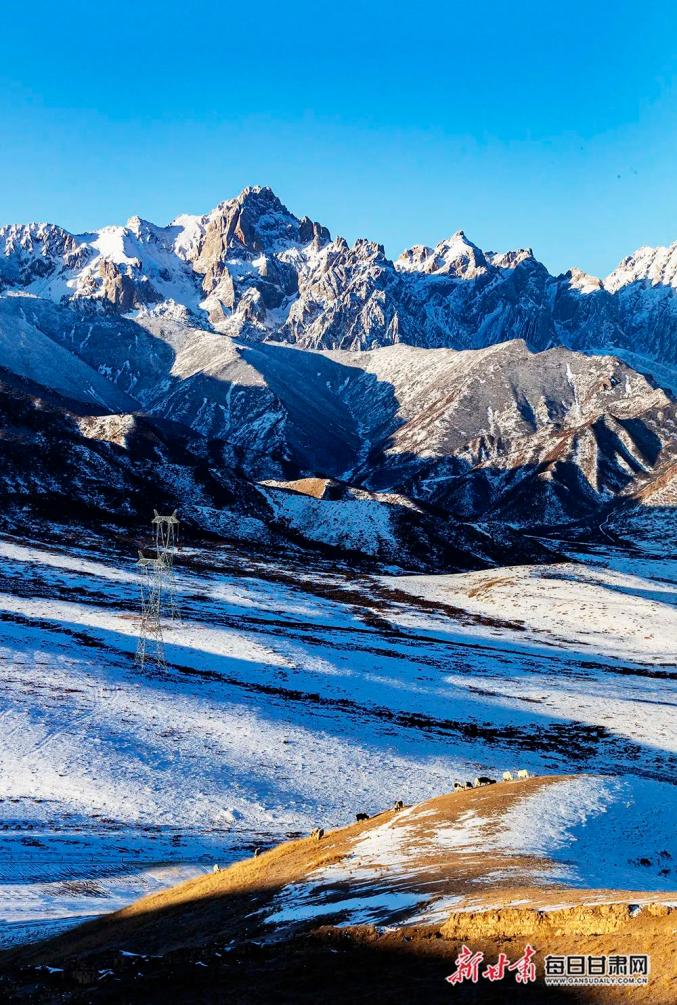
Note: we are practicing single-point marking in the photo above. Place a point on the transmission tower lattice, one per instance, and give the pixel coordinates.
(158, 593)
(151, 643)
(166, 544)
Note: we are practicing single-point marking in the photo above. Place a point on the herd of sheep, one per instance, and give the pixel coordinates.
(508, 776)
(481, 780)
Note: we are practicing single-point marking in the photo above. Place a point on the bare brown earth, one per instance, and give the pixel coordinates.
(207, 940)
(316, 487)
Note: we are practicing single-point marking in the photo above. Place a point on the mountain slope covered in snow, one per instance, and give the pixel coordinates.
(251, 268)
(451, 383)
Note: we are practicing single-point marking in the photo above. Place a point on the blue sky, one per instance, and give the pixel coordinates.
(533, 124)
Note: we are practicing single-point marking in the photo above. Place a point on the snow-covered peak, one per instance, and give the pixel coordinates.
(24, 242)
(148, 233)
(368, 249)
(251, 269)
(583, 281)
(30, 254)
(116, 244)
(658, 266)
(414, 259)
(510, 259)
(456, 256)
(188, 230)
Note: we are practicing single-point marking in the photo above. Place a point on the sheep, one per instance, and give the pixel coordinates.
(257, 852)
(318, 833)
(361, 816)
(469, 785)
(507, 776)
(459, 785)
(216, 868)
(522, 773)
(483, 780)
(399, 805)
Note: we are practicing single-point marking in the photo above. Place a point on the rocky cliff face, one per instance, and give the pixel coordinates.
(447, 384)
(253, 270)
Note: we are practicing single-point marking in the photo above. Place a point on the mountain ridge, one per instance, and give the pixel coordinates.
(246, 347)
(252, 269)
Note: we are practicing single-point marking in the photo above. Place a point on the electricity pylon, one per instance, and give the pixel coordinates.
(166, 531)
(158, 592)
(151, 642)
(166, 544)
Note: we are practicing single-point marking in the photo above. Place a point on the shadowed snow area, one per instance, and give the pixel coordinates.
(466, 850)
(292, 700)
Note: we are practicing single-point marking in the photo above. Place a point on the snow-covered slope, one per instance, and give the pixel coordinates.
(502, 433)
(463, 851)
(252, 269)
(604, 609)
(296, 696)
(29, 352)
(470, 383)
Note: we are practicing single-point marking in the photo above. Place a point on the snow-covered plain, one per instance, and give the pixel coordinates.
(293, 697)
(610, 609)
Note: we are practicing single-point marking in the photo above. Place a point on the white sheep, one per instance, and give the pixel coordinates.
(507, 776)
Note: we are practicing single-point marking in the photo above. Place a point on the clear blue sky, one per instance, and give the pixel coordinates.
(552, 125)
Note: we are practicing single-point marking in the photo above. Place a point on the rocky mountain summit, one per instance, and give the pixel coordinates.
(245, 349)
(253, 270)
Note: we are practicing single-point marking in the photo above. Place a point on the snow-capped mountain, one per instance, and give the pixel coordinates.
(252, 269)
(231, 269)
(246, 347)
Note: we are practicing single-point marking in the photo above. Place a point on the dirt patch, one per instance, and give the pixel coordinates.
(487, 585)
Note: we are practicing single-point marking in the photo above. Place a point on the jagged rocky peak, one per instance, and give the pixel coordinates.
(250, 268)
(258, 221)
(254, 224)
(364, 256)
(510, 259)
(29, 251)
(121, 287)
(32, 237)
(340, 271)
(414, 259)
(655, 266)
(370, 249)
(310, 230)
(457, 257)
(582, 281)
